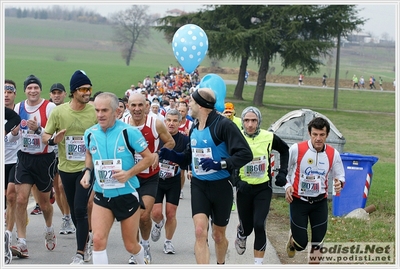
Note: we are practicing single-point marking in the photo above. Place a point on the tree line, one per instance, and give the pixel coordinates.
(57, 13)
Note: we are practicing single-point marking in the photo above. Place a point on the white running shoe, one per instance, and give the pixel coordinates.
(156, 231)
(132, 260)
(169, 248)
(240, 243)
(50, 239)
(67, 227)
(147, 254)
(7, 248)
(89, 248)
(77, 259)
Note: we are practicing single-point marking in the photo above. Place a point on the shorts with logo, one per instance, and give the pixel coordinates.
(170, 188)
(213, 198)
(148, 186)
(123, 206)
(38, 169)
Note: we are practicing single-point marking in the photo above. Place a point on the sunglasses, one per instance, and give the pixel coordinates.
(84, 89)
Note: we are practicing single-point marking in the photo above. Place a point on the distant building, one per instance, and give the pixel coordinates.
(359, 37)
(176, 12)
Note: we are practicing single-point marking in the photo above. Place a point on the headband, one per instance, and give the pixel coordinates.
(9, 88)
(201, 101)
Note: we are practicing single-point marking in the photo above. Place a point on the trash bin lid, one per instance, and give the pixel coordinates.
(347, 156)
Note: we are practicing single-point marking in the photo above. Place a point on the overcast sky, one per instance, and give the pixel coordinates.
(381, 15)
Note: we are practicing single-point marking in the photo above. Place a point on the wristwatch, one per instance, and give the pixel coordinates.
(223, 164)
(86, 169)
(38, 131)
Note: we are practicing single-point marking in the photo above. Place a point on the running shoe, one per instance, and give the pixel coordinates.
(7, 248)
(240, 243)
(20, 250)
(67, 227)
(169, 248)
(181, 195)
(147, 254)
(156, 231)
(36, 210)
(77, 259)
(233, 206)
(89, 248)
(291, 251)
(132, 260)
(50, 240)
(52, 195)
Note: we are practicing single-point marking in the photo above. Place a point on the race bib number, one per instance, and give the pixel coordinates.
(75, 149)
(104, 170)
(167, 170)
(256, 168)
(310, 185)
(197, 155)
(138, 158)
(31, 142)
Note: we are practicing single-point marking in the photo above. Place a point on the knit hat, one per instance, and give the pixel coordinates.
(229, 106)
(78, 79)
(32, 79)
(57, 86)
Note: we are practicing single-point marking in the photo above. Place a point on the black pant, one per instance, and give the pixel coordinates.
(253, 209)
(302, 211)
(77, 198)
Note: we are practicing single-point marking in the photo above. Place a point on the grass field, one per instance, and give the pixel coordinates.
(53, 50)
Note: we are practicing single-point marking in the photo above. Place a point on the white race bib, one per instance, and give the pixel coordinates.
(197, 155)
(31, 142)
(256, 168)
(310, 185)
(75, 149)
(104, 170)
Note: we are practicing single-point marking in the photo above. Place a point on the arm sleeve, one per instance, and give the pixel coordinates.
(238, 148)
(279, 145)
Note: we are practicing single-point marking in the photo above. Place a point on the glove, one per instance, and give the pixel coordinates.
(171, 155)
(280, 180)
(209, 164)
(243, 186)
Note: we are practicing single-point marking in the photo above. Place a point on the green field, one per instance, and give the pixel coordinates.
(53, 50)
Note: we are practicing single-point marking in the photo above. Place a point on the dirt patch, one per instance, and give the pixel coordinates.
(277, 233)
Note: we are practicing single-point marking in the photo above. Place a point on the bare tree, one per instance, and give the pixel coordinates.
(131, 29)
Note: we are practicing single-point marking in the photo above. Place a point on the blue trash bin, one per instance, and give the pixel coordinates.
(358, 174)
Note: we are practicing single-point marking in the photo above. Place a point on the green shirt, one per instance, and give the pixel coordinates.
(75, 122)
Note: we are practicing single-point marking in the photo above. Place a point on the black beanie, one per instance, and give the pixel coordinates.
(32, 79)
(78, 79)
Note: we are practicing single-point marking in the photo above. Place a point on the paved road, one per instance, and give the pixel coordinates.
(253, 83)
(183, 242)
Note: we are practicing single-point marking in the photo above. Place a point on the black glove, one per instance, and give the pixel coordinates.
(208, 164)
(243, 186)
(171, 155)
(280, 180)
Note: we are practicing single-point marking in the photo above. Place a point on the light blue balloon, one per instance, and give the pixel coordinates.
(190, 46)
(217, 84)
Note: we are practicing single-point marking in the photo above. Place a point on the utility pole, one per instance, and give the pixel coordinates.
(336, 88)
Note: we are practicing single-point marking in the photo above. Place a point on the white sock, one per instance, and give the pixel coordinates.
(22, 240)
(100, 257)
(145, 242)
(49, 229)
(258, 260)
(139, 257)
(160, 224)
